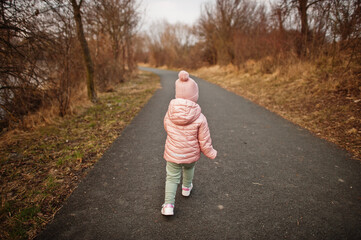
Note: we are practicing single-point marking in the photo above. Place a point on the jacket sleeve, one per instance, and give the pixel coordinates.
(205, 141)
(165, 121)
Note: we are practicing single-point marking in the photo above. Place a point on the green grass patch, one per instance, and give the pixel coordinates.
(28, 213)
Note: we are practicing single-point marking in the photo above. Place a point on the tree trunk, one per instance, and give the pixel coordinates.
(304, 27)
(280, 21)
(86, 53)
(130, 58)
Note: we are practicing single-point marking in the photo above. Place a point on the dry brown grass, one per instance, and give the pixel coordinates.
(311, 95)
(49, 112)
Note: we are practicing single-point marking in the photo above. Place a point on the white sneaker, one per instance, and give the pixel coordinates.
(167, 209)
(187, 191)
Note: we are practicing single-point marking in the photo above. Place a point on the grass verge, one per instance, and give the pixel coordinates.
(40, 168)
(309, 95)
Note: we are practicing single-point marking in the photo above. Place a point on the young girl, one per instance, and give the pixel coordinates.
(187, 135)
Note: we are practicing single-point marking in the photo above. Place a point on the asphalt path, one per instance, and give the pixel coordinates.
(271, 180)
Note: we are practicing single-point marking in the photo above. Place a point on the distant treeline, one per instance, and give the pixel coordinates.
(50, 50)
(234, 31)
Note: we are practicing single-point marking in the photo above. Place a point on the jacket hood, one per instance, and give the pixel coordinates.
(182, 111)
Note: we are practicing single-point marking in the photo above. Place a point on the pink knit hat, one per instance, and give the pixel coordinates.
(186, 87)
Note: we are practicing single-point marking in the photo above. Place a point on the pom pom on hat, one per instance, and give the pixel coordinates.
(183, 75)
(186, 87)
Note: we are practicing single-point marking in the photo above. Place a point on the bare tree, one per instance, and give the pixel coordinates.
(171, 45)
(346, 18)
(39, 62)
(22, 71)
(205, 29)
(115, 21)
(302, 7)
(86, 52)
(226, 28)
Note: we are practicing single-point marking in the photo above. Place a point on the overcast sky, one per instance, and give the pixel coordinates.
(185, 11)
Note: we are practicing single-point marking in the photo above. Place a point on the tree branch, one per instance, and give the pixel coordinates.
(312, 3)
(14, 87)
(8, 112)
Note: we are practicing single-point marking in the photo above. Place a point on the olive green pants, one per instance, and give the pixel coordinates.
(174, 172)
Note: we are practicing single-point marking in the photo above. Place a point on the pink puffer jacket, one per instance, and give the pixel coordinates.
(188, 133)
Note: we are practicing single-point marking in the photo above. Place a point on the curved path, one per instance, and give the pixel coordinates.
(271, 180)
